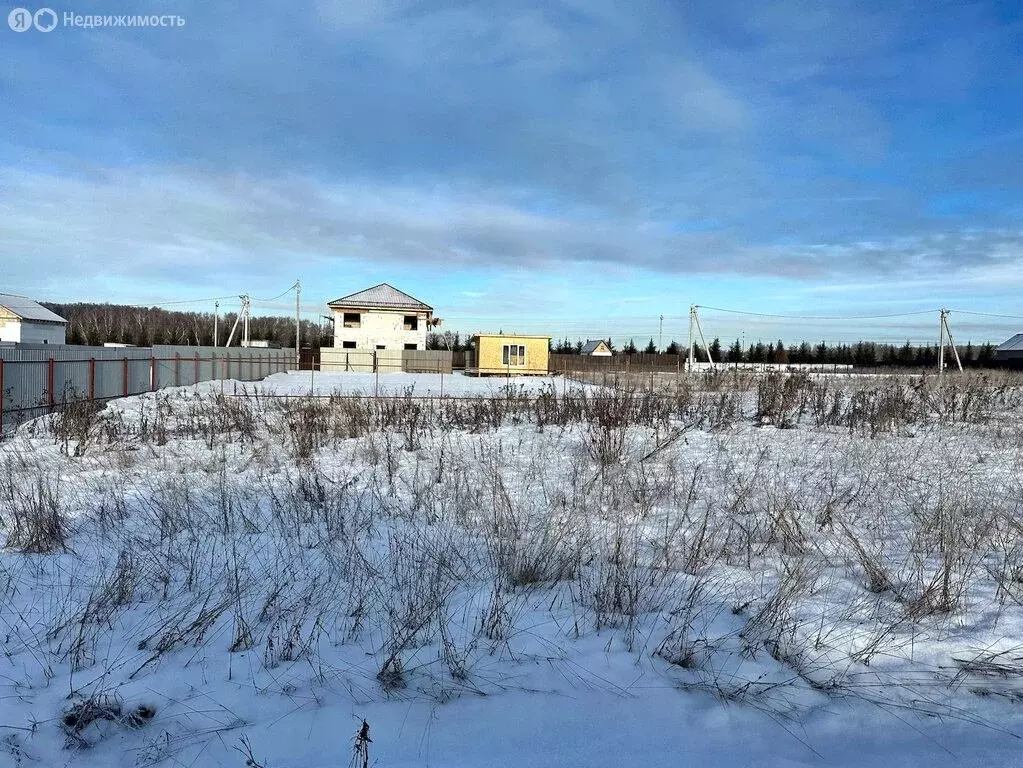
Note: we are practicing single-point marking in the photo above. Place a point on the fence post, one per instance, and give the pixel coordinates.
(177, 369)
(1, 395)
(49, 380)
(196, 367)
(125, 376)
(152, 372)
(92, 378)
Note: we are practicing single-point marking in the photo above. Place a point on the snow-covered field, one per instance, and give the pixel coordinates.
(793, 573)
(399, 384)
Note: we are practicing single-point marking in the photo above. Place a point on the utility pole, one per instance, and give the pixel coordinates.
(952, 342)
(941, 346)
(216, 320)
(946, 333)
(245, 311)
(703, 340)
(660, 335)
(298, 325)
(692, 341)
(237, 319)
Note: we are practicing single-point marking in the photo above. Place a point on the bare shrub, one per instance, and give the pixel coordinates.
(875, 569)
(531, 547)
(33, 513)
(306, 422)
(608, 418)
(782, 399)
(75, 422)
(947, 551)
(774, 622)
(686, 644)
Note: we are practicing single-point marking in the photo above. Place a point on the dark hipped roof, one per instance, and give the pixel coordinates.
(384, 296)
(1015, 344)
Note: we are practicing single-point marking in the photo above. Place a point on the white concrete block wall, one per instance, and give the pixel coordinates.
(380, 328)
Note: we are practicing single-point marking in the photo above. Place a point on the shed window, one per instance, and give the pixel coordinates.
(347, 345)
(411, 323)
(353, 320)
(411, 346)
(513, 354)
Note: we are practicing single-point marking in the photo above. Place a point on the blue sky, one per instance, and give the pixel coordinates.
(580, 167)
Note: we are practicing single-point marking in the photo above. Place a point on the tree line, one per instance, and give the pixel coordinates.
(98, 324)
(860, 353)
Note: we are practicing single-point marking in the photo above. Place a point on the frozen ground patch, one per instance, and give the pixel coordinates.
(418, 384)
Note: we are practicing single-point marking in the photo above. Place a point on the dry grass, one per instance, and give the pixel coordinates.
(436, 536)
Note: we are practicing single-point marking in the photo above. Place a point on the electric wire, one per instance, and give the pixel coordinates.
(815, 317)
(985, 314)
(281, 295)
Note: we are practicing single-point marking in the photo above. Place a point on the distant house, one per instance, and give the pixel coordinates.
(508, 355)
(24, 321)
(1011, 352)
(261, 344)
(598, 348)
(381, 317)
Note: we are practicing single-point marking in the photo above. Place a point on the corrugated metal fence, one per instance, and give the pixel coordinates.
(36, 378)
(335, 359)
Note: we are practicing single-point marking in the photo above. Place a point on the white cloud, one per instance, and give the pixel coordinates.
(168, 227)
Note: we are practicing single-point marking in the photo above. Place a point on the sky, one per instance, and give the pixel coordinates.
(573, 167)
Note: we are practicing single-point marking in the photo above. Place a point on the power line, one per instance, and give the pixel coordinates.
(281, 295)
(815, 317)
(985, 314)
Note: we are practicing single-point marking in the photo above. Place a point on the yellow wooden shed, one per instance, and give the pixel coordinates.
(508, 354)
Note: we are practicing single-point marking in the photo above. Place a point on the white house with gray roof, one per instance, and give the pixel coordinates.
(598, 348)
(24, 321)
(381, 317)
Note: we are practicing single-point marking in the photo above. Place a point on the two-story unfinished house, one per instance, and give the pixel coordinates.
(381, 317)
